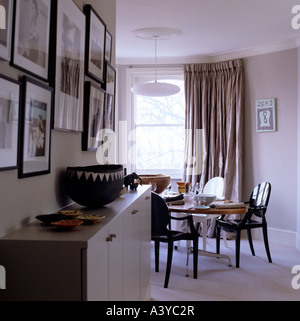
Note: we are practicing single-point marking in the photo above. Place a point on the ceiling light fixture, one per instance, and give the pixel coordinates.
(156, 89)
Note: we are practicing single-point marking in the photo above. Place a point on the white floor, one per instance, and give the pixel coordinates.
(256, 279)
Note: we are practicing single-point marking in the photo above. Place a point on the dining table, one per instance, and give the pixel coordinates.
(201, 213)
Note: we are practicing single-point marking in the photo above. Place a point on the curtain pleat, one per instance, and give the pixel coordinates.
(214, 95)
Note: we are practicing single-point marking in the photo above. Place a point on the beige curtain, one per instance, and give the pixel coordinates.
(214, 124)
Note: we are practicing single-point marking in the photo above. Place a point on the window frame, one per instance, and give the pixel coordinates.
(138, 75)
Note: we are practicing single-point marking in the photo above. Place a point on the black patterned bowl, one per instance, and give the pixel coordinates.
(94, 186)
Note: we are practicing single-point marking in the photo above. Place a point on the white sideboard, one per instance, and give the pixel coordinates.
(106, 261)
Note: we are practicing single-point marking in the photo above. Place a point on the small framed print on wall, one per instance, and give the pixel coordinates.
(69, 76)
(266, 115)
(6, 29)
(94, 102)
(32, 37)
(108, 46)
(109, 111)
(9, 122)
(95, 44)
(36, 118)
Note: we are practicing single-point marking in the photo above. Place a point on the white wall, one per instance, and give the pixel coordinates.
(273, 156)
(22, 199)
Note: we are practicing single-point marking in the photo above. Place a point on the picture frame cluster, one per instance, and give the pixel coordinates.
(69, 83)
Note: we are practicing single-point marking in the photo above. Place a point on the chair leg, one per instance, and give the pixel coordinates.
(204, 236)
(195, 257)
(237, 248)
(156, 251)
(218, 232)
(250, 241)
(169, 263)
(225, 238)
(265, 234)
(188, 250)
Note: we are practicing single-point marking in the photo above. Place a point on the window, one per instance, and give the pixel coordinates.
(159, 125)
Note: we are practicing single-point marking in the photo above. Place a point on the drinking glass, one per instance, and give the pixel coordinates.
(197, 188)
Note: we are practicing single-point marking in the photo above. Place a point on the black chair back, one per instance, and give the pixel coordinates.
(259, 199)
(159, 215)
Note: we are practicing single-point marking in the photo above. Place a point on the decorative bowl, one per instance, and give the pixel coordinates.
(47, 219)
(162, 181)
(94, 186)
(204, 199)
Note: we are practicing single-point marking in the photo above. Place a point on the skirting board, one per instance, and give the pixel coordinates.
(298, 241)
(275, 235)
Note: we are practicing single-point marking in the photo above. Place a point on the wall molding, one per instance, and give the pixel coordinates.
(275, 235)
(298, 241)
(235, 54)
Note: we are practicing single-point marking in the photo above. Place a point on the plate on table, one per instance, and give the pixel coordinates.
(90, 219)
(67, 224)
(47, 219)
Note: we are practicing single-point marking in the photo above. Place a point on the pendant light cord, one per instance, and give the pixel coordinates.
(155, 39)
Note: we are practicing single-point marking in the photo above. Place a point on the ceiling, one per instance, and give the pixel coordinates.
(210, 29)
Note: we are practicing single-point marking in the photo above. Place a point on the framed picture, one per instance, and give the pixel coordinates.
(108, 46)
(109, 111)
(95, 44)
(31, 37)
(10, 91)
(94, 103)
(37, 102)
(266, 115)
(6, 29)
(69, 72)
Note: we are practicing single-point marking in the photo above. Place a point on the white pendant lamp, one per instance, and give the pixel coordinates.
(156, 89)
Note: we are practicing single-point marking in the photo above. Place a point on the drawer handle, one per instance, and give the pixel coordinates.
(134, 212)
(147, 198)
(111, 237)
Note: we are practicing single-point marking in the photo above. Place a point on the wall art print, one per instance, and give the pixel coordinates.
(95, 44)
(10, 91)
(108, 46)
(30, 51)
(6, 29)
(69, 77)
(37, 102)
(94, 102)
(109, 111)
(266, 115)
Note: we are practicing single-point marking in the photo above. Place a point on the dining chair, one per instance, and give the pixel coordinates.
(215, 186)
(161, 232)
(254, 218)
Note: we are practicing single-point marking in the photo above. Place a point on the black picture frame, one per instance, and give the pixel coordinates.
(110, 99)
(6, 32)
(94, 103)
(36, 119)
(10, 102)
(108, 46)
(31, 37)
(68, 57)
(95, 45)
